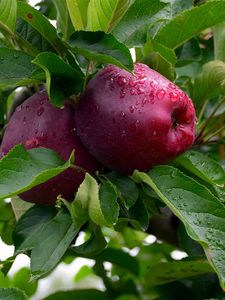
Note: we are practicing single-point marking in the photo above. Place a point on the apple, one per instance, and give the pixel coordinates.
(134, 121)
(37, 123)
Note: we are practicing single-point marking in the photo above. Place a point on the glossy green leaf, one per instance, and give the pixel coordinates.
(191, 22)
(62, 80)
(8, 10)
(23, 169)
(21, 280)
(16, 68)
(19, 206)
(133, 27)
(162, 273)
(108, 202)
(64, 24)
(12, 293)
(78, 13)
(202, 166)
(103, 15)
(101, 47)
(139, 215)
(210, 82)
(219, 41)
(40, 23)
(80, 294)
(201, 212)
(126, 187)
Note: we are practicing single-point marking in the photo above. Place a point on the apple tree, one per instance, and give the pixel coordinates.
(101, 143)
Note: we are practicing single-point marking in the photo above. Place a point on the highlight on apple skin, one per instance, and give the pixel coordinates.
(37, 123)
(134, 121)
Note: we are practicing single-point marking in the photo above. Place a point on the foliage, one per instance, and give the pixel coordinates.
(182, 203)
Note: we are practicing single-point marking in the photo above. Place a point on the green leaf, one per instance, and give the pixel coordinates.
(12, 293)
(62, 80)
(190, 22)
(79, 294)
(201, 212)
(21, 280)
(16, 68)
(139, 215)
(78, 13)
(101, 47)
(33, 231)
(21, 169)
(40, 23)
(120, 258)
(133, 27)
(219, 41)
(64, 25)
(202, 166)
(108, 202)
(103, 15)
(162, 273)
(126, 186)
(210, 82)
(8, 10)
(19, 206)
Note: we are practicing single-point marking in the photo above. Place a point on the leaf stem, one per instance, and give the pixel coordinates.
(86, 74)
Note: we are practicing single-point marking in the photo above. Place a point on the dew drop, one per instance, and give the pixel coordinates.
(132, 82)
(40, 111)
(132, 91)
(154, 133)
(24, 120)
(140, 90)
(137, 124)
(122, 114)
(131, 108)
(123, 133)
(172, 86)
(15, 56)
(144, 101)
(154, 84)
(173, 96)
(121, 80)
(19, 108)
(160, 94)
(122, 93)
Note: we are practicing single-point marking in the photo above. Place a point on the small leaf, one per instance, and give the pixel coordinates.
(133, 27)
(202, 166)
(101, 47)
(12, 293)
(8, 10)
(16, 68)
(126, 186)
(41, 24)
(201, 212)
(62, 79)
(162, 273)
(210, 82)
(19, 206)
(108, 202)
(78, 13)
(21, 169)
(186, 25)
(79, 295)
(139, 215)
(103, 15)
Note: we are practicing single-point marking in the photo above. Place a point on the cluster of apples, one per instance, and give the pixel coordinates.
(123, 121)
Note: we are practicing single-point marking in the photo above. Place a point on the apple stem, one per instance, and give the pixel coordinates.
(78, 168)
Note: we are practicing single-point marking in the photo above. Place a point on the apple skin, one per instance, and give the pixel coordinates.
(37, 123)
(135, 121)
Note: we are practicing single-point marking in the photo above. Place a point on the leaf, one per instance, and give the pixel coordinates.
(44, 226)
(162, 273)
(139, 215)
(101, 47)
(210, 82)
(78, 294)
(8, 10)
(40, 23)
(12, 293)
(202, 166)
(62, 80)
(201, 212)
(64, 24)
(108, 202)
(16, 68)
(219, 41)
(19, 206)
(21, 169)
(103, 15)
(21, 280)
(133, 27)
(119, 258)
(78, 13)
(126, 186)
(57, 235)
(190, 22)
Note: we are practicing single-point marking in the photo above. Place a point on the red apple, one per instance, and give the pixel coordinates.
(37, 123)
(134, 121)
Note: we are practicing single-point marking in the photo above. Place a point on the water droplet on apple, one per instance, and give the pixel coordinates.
(160, 94)
(144, 101)
(154, 84)
(132, 82)
(122, 114)
(19, 108)
(122, 93)
(40, 111)
(140, 90)
(121, 80)
(132, 91)
(123, 133)
(27, 107)
(24, 120)
(137, 124)
(131, 108)
(154, 133)
(173, 96)
(172, 86)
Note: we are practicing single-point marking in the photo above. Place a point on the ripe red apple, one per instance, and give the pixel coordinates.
(37, 123)
(134, 121)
